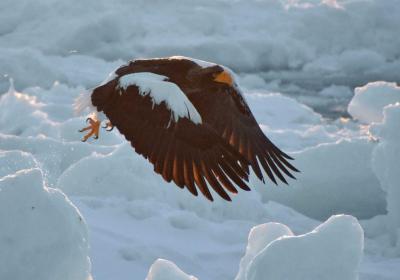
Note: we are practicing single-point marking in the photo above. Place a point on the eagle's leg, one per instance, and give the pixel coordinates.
(109, 126)
(94, 127)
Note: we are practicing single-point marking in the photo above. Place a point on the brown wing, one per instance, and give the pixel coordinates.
(184, 152)
(234, 122)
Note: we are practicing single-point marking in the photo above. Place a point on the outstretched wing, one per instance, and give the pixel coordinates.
(169, 132)
(234, 122)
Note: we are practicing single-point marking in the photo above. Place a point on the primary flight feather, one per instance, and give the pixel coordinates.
(190, 120)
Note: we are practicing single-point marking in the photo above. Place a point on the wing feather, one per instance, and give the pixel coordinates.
(235, 178)
(280, 165)
(267, 169)
(188, 173)
(236, 124)
(159, 165)
(280, 156)
(198, 177)
(212, 180)
(157, 144)
(168, 162)
(178, 168)
(223, 179)
(192, 155)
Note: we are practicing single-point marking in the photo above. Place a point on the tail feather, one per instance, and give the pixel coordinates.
(83, 102)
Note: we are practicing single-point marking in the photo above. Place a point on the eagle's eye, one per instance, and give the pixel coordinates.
(224, 77)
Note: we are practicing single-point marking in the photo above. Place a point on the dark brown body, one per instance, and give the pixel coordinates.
(219, 150)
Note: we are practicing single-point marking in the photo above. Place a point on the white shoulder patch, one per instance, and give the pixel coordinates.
(159, 89)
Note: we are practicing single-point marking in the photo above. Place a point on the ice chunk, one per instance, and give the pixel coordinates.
(166, 270)
(120, 173)
(53, 156)
(12, 161)
(385, 163)
(277, 111)
(259, 237)
(42, 236)
(20, 114)
(335, 178)
(331, 251)
(369, 100)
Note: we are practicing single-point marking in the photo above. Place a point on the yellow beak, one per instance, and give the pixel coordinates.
(224, 77)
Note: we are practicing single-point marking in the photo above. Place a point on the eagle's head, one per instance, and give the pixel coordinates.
(214, 75)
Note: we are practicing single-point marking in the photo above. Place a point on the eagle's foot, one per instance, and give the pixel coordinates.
(108, 126)
(94, 127)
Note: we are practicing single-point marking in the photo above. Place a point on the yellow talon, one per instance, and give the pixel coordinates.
(94, 127)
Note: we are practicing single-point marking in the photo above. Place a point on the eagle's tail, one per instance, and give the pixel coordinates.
(83, 102)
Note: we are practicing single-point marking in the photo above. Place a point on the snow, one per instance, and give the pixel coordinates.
(331, 251)
(43, 235)
(298, 63)
(369, 100)
(160, 90)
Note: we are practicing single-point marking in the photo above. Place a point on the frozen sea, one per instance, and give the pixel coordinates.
(320, 78)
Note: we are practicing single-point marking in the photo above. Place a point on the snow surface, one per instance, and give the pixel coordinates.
(161, 90)
(293, 58)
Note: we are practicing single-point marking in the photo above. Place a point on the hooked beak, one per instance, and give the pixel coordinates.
(224, 77)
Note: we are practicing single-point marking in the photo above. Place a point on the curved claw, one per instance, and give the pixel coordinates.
(108, 126)
(93, 129)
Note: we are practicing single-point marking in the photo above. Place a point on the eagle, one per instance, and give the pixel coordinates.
(188, 118)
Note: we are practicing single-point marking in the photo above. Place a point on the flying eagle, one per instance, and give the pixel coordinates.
(189, 118)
